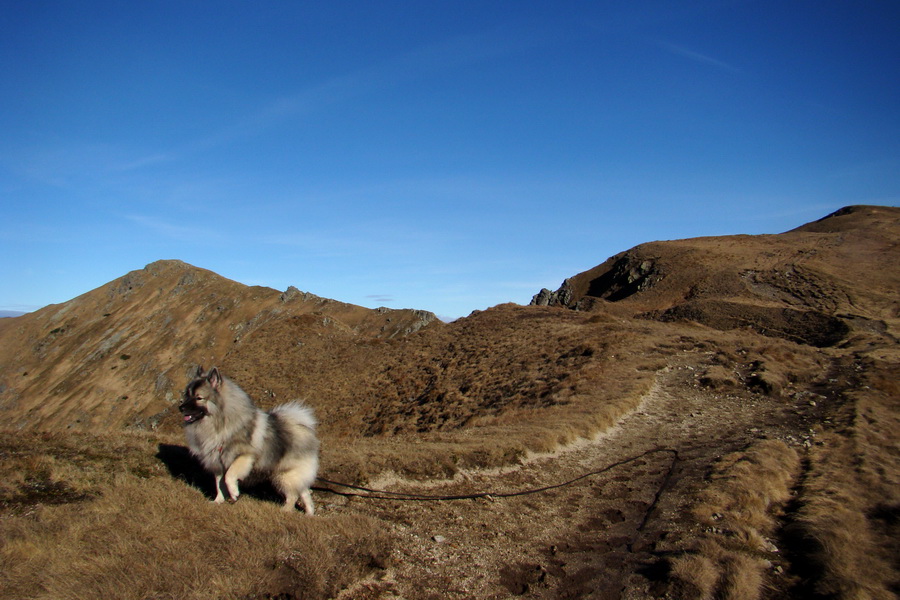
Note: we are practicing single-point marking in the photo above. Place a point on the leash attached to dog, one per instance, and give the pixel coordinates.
(374, 494)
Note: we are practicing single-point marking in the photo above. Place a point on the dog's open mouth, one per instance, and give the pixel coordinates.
(192, 415)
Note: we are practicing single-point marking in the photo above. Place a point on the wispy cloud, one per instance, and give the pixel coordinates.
(18, 308)
(77, 164)
(696, 56)
(385, 298)
(455, 51)
(184, 233)
(73, 163)
(143, 161)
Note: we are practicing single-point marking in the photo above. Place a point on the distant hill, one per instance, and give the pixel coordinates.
(817, 284)
(5, 314)
(118, 355)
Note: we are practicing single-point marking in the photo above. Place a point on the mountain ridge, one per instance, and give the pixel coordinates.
(119, 352)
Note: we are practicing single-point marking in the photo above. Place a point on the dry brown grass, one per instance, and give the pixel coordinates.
(116, 356)
(738, 515)
(839, 538)
(846, 527)
(124, 528)
(481, 392)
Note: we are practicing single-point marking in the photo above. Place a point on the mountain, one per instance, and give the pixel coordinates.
(714, 417)
(818, 284)
(5, 314)
(118, 355)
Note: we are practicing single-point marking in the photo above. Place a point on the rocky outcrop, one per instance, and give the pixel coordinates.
(561, 297)
(620, 277)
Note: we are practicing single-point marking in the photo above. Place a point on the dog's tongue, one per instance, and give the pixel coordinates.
(188, 418)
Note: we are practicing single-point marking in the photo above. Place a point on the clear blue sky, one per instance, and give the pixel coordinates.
(446, 156)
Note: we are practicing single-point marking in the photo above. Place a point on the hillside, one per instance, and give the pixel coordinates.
(118, 355)
(816, 284)
(705, 418)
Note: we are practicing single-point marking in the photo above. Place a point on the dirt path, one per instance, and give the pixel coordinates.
(593, 538)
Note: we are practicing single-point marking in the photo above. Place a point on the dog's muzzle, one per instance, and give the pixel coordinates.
(192, 413)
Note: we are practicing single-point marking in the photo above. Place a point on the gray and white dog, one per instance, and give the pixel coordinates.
(232, 438)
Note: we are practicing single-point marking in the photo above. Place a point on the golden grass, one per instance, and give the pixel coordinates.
(839, 539)
(846, 526)
(842, 541)
(152, 536)
(80, 514)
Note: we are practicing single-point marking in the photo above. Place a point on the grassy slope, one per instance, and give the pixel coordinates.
(101, 517)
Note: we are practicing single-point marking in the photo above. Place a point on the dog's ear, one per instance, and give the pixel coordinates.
(199, 372)
(214, 378)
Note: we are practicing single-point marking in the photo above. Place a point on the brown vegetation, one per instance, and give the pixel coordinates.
(518, 378)
(817, 284)
(85, 516)
(117, 356)
(764, 367)
(738, 512)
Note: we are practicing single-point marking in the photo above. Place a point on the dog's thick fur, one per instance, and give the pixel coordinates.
(232, 437)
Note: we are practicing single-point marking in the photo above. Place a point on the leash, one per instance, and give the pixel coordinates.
(374, 494)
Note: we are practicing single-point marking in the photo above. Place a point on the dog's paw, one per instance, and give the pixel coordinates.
(232, 500)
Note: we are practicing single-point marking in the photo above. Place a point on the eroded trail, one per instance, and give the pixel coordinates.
(594, 538)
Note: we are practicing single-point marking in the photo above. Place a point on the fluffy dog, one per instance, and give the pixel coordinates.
(232, 438)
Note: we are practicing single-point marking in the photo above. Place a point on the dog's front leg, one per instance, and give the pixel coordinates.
(238, 470)
(219, 497)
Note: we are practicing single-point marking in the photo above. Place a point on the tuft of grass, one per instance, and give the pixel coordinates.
(838, 530)
(843, 534)
(693, 577)
(738, 515)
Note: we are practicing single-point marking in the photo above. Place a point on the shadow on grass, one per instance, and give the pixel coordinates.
(184, 466)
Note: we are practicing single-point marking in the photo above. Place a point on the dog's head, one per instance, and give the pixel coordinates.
(200, 395)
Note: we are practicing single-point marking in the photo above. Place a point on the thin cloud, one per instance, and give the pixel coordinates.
(144, 161)
(18, 308)
(170, 230)
(696, 56)
(380, 297)
(452, 52)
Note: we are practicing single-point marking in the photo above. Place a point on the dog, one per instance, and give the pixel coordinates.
(232, 438)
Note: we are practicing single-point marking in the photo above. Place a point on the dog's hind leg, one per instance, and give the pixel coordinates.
(291, 498)
(290, 501)
(238, 470)
(294, 485)
(307, 501)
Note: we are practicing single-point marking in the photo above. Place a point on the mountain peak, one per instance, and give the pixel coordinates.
(124, 347)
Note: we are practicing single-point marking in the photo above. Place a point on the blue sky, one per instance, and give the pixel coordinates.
(447, 156)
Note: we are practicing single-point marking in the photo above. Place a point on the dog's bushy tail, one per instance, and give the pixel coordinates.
(296, 412)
